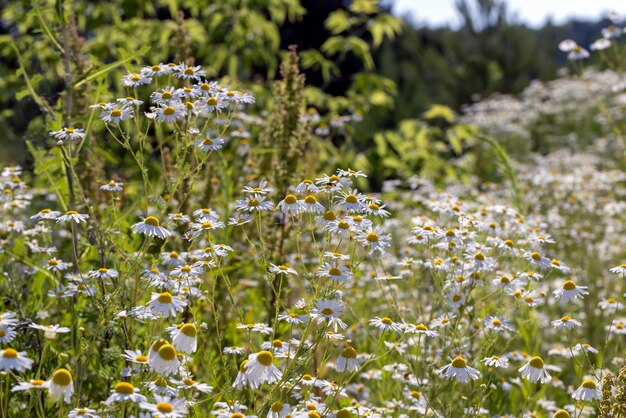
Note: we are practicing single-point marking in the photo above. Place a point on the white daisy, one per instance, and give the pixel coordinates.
(166, 360)
(459, 369)
(166, 407)
(11, 359)
(347, 360)
(150, 227)
(61, 385)
(569, 291)
(73, 216)
(587, 391)
(166, 304)
(125, 391)
(184, 338)
(535, 371)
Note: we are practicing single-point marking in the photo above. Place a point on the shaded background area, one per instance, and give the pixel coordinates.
(488, 51)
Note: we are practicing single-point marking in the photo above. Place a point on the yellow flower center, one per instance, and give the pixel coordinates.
(589, 384)
(334, 272)
(479, 256)
(167, 352)
(277, 343)
(343, 225)
(459, 363)
(569, 285)
(536, 362)
(207, 141)
(189, 71)
(62, 377)
(313, 414)
(53, 262)
(212, 101)
(265, 358)
(9, 353)
(496, 322)
(253, 203)
(536, 256)
(386, 321)
(116, 113)
(135, 77)
(166, 95)
(164, 407)
(561, 413)
(352, 198)
(169, 111)
(165, 297)
(291, 199)
(348, 352)
(70, 130)
(237, 415)
(611, 300)
(456, 298)
(327, 311)
(310, 199)
(566, 319)
(124, 388)
(141, 359)
(421, 327)
(372, 237)
(189, 330)
(151, 220)
(277, 406)
(329, 216)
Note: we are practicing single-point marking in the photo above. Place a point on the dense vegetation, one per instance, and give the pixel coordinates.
(270, 208)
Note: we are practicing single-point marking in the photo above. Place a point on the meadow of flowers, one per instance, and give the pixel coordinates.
(200, 267)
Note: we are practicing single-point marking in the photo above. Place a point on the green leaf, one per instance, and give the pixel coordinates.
(337, 22)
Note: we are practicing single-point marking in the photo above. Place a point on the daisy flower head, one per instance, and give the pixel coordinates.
(188, 72)
(347, 360)
(600, 44)
(385, 324)
(209, 144)
(166, 360)
(103, 273)
(83, 413)
(50, 331)
(55, 264)
(68, 133)
(166, 304)
(169, 112)
(254, 203)
(566, 322)
(569, 291)
(166, 407)
(46, 214)
(374, 239)
(150, 227)
(290, 205)
(260, 368)
(135, 357)
(459, 370)
(136, 79)
(125, 391)
(36, 384)
(282, 270)
(73, 216)
(185, 338)
(112, 186)
(116, 114)
(621, 270)
(419, 329)
(535, 371)
(496, 361)
(587, 391)
(311, 205)
(587, 348)
(11, 359)
(7, 334)
(61, 385)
